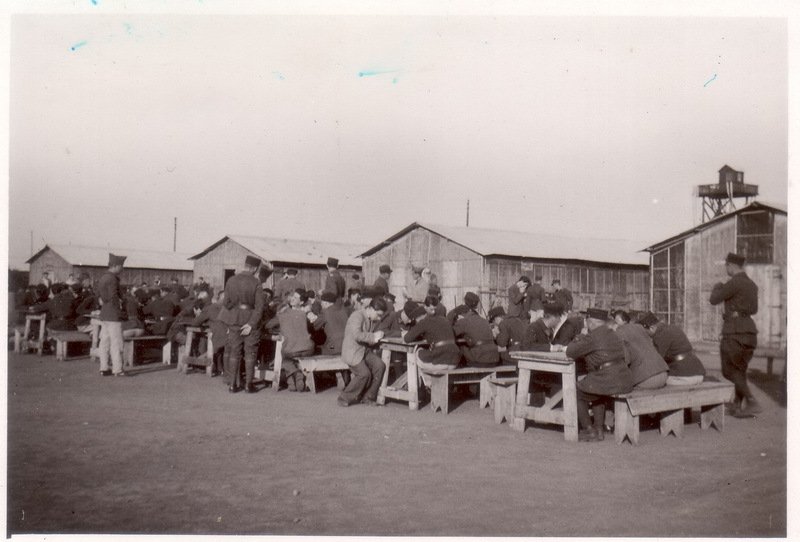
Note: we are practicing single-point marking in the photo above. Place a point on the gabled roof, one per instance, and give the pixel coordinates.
(727, 167)
(137, 259)
(296, 251)
(752, 206)
(488, 242)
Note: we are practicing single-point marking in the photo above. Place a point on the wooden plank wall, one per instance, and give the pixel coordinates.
(592, 285)
(130, 276)
(231, 255)
(780, 244)
(51, 262)
(458, 269)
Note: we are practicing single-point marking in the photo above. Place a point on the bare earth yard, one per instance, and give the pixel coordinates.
(161, 452)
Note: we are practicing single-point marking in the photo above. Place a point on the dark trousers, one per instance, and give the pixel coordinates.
(368, 376)
(735, 352)
(237, 344)
(598, 402)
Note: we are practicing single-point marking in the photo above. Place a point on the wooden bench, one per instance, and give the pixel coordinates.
(273, 375)
(771, 354)
(132, 346)
(65, 338)
(670, 401)
(22, 342)
(318, 364)
(441, 382)
(500, 393)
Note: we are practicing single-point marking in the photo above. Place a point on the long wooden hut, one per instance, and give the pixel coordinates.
(140, 266)
(225, 257)
(685, 267)
(600, 273)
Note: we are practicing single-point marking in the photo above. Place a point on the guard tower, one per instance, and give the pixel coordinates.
(718, 199)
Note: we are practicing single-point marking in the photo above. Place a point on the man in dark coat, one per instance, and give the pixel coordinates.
(111, 316)
(508, 332)
(60, 308)
(209, 317)
(162, 310)
(438, 333)
(648, 368)
(288, 285)
(480, 349)
(332, 322)
(685, 368)
(739, 334)
(562, 296)
(382, 282)
(334, 282)
(604, 353)
(242, 312)
(536, 294)
(518, 303)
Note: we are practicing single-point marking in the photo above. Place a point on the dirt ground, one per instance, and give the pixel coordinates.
(165, 453)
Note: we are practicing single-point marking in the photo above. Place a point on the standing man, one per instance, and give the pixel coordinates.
(288, 285)
(562, 296)
(739, 333)
(418, 290)
(536, 294)
(111, 316)
(365, 365)
(518, 298)
(382, 282)
(243, 308)
(335, 281)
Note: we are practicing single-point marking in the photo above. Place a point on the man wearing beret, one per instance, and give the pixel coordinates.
(334, 282)
(382, 282)
(480, 349)
(739, 334)
(241, 312)
(111, 316)
(604, 354)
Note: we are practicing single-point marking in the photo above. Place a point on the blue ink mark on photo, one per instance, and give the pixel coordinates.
(78, 45)
(394, 81)
(94, 2)
(709, 81)
(128, 28)
(369, 73)
(278, 75)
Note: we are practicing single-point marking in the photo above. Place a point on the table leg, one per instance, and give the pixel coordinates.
(25, 338)
(524, 384)
(40, 344)
(413, 381)
(386, 357)
(570, 402)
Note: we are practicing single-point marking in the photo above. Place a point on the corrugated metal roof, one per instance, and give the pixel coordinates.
(297, 251)
(487, 242)
(137, 259)
(752, 206)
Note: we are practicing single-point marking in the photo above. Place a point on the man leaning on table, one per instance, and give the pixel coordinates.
(366, 366)
(604, 354)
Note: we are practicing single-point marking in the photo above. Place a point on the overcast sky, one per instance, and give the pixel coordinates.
(349, 128)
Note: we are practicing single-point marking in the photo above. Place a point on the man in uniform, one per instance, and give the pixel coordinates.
(562, 296)
(334, 282)
(739, 333)
(480, 349)
(604, 353)
(111, 316)
(242, 311)
(508, 333)
(536, 294)
(332, 322)
(288, 285)
(382, 282)
(518, 298)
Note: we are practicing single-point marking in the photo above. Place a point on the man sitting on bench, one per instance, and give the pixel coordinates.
(685, 368)
(480, 349)
(365, 365)
(294, 328)
(604, 353)
(443, 353)
(331, 322)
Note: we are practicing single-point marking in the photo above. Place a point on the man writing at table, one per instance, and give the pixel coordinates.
(604, 353)
(365, 365)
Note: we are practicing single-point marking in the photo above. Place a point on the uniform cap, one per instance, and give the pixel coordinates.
(648, 319)
(526, 279)
(735, 259)
(409, 307)
(291, 271)
(471, 300)
(333, 262)
(113, 260)
(597, 314)
(252, 261)
(555, 281)
(264, 274)
(330, 297)
(495, 312)
(385, 269)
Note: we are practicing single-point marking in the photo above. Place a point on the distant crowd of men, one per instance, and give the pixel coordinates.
(615, 352)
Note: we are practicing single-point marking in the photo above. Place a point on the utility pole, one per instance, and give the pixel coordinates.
(468, 213)
(31, 242)
(175, 235)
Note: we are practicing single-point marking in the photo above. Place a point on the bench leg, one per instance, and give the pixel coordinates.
(166, 353)
(311, 382)
(672, 422)
(277, 364)
(625, 423)
(40, 343)
(61, 350)
(413, 383)
(504, 403)
(486, 397)
(439, 392)
(17, 340)
(712, 415)
(340, 385)
(128, 354)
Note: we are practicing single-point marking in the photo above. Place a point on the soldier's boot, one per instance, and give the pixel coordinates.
(599, 420)
(299, 381)
(750, 408)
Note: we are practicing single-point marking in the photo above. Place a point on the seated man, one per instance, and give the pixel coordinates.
(331, 322)
(684, 367)
(508, 333)
(352, 303)
(133, 326)
(294, 328)
(647, 366)
(443, 353)
(479, 349)
(604, 354)
(60, 308)
(209, 316)
(162, 311)
(539, 334)
(366, 366)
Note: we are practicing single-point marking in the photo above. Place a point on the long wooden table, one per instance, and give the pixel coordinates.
(567, 414)
(406, 386)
